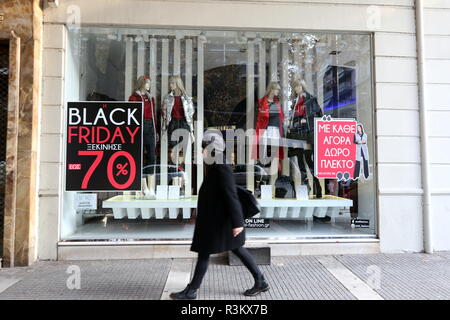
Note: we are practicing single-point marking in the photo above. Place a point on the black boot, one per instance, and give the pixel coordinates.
(317, 188)
(187, 294)
(261, 285)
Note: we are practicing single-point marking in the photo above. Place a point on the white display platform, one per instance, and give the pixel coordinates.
(130, 207)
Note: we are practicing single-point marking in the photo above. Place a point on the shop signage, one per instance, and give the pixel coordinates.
(360, 223)
(104, 146)
(86, 201)
(335, 150)
(257, 223)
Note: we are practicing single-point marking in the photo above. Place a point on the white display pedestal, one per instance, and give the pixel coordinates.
(293, 209)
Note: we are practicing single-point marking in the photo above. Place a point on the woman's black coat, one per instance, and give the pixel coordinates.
(218, 212)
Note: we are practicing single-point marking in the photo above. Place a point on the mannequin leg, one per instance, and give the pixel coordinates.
(273, 171)
(147, 138)
(310, 162)
(301, 164)
(151, 148)
(300, 152)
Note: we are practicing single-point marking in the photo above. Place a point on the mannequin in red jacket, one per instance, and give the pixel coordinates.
(150, 132)
(269, 126)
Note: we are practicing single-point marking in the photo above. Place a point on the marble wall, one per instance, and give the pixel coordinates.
(24, 17)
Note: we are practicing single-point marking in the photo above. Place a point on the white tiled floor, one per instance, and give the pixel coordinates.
(170, 229)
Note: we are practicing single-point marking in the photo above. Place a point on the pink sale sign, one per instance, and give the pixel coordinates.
(335, 150)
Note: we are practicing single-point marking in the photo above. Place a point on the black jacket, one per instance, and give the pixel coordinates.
(313, 110)
(218, 212)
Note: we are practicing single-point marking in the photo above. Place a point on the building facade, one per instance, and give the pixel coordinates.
(375, 65)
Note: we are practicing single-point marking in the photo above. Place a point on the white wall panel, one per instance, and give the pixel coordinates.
(51, 119)
(398, 123)
(51, 148)
(394, 177)
(438, 96)
(54, 36)
(439, 151)
(437, 47)
(397, 96)
(400, 224)
(388, 150)
(395, 45)
(52, 91)
(396, 69)
(440, 178)
(50, 174)
(53, 65)
(439, 123)
(48, 227)
(436, 21)
(437, 71)
(442, 4)
(441, 222)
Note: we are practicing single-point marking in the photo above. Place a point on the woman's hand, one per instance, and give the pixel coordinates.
(236, 231)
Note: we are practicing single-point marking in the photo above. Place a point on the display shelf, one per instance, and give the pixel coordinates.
(128, 206)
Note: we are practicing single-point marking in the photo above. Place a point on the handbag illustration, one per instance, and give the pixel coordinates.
(250, 206)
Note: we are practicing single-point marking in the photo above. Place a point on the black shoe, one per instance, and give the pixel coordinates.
(261, 285)
(187, 294)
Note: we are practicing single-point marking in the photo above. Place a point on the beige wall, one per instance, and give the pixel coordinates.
(393, 23)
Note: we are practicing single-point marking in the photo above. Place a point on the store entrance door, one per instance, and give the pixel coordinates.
(4, 70)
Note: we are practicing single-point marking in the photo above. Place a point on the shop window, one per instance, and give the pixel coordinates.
(304, 80)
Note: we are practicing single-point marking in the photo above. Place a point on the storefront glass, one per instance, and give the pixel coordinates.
(308, 95)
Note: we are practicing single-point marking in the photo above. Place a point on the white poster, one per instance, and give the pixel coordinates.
(86, 201)
(161, 192)
(266, 191)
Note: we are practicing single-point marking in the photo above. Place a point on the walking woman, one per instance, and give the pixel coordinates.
(220, 221)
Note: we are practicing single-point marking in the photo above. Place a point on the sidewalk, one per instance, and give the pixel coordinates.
(344, 277)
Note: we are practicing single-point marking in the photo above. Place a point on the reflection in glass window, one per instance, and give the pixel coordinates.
(263, 91)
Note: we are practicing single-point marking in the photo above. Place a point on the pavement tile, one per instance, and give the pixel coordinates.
(415, 276)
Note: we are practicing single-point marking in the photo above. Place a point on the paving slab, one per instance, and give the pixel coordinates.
(414, 276)
(290, 278)
(100, 280)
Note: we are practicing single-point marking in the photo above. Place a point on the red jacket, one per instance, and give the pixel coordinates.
(261, 124)
(149, 107)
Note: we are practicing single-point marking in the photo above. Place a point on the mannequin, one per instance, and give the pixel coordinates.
(150, 134)
(304, 108)
(177, 110)
(269, 128)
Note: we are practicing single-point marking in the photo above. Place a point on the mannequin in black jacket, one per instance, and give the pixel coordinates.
(304, 109)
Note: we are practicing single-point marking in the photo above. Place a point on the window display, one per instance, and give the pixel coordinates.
(264, 94)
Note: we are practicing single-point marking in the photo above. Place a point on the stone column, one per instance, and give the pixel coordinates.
(25, 18)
